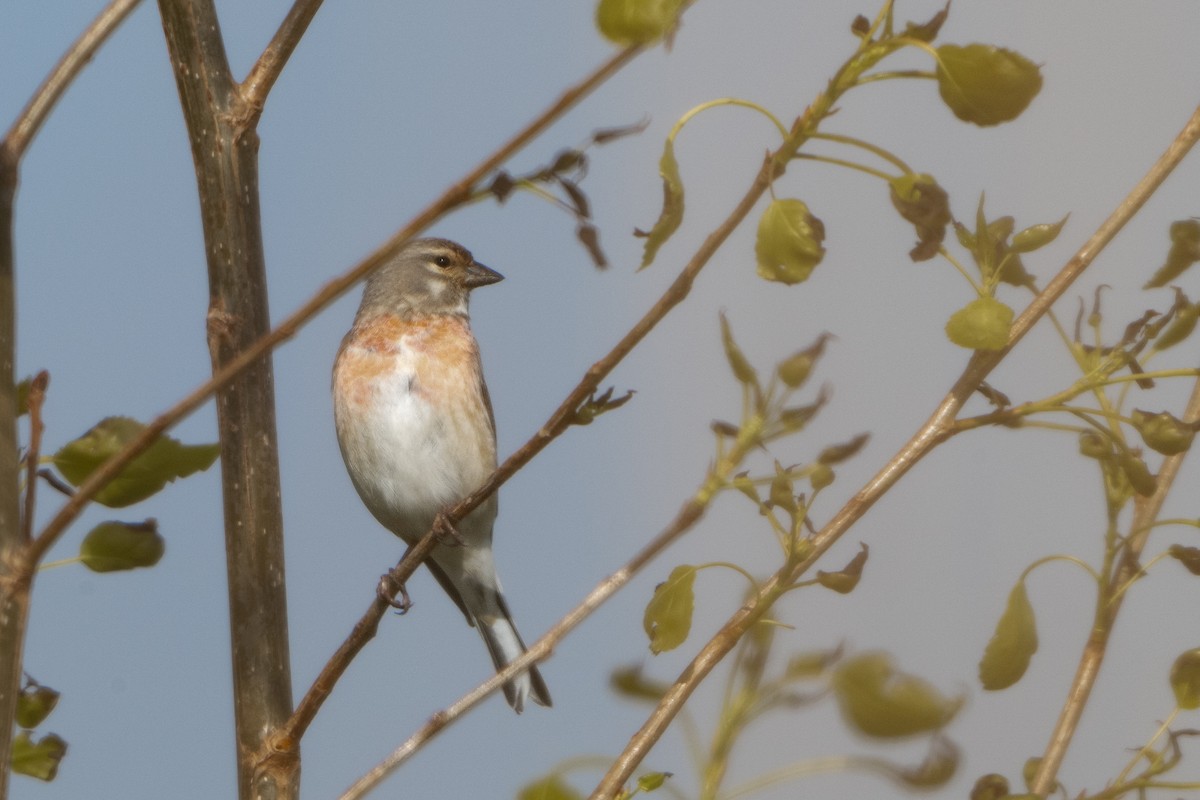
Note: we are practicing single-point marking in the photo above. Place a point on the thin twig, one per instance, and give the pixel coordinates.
(77, 56)
(936, 429)
(34, 400)
(449, 199)
(1088, 670)
(270, 64)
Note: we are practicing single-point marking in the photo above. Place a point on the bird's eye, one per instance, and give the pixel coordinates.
(442, 261)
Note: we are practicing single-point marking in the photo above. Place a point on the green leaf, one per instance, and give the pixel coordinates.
(878, 701)
(630, 682)
(1185, 679)
(1181, 327)
(789, 243)
(986, 85)
(982, 324)
(1188, 556)
(630, 22)
(164, 461)
(837, 453)
(844, 580)
(34, 704)
(1138, 474)
(795, 369)
(1185, 251)
(821, 476)
(992, 786)
(551, 787)
(742, 369)
(1007, 655)
(1163, 432)
(671, 216)
(117, 546)
(668, 617)
(652, 780)
(37, 759)
(920, 200)
(23, 396)
(806, 666)
(1037, 236)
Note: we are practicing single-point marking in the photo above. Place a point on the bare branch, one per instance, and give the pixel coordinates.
(37, 396)
(80, 53)
(270, 64)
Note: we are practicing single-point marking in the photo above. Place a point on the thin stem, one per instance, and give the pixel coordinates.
(935, 430)
(1088, 669)
(886, 155)
(35, 398)
(31, 118)
(270, 64)
(841, 162)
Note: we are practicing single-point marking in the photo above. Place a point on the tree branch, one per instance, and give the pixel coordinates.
(17, 558)
(935, 430)
(225, 152)
(270, 64)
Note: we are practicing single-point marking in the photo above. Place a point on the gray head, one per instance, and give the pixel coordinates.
(429, 276)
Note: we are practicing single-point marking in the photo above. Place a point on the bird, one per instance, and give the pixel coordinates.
(415, 426)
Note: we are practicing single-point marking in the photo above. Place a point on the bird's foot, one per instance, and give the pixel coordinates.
(447, 535)
(387, 590)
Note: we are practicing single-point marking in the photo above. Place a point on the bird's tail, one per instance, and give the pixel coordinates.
(505, 645)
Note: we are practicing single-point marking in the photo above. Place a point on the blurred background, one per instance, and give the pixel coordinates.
(381, 107)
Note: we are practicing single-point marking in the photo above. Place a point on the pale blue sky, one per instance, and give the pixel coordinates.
(382, 105)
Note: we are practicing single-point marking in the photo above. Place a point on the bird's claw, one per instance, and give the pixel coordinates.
(387, 590)
(447, 535)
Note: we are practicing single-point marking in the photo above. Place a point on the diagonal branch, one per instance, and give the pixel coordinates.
(935, 430)
(270, 64)
(451, 198)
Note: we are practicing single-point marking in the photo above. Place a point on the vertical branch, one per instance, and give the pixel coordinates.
(15, 578)
(225, 153)
(18, 560)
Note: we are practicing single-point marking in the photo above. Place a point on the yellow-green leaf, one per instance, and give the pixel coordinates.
(1185, 251)
(116, 546)
(1037, 236)
(630, 682)
(551, 787)
(652, 780)
(992, 786)
(1181, 327)
(1163, 432)
(982, 324)
(844, 580)
(668, 617)
(163, 462)
(671, 216)
(742, 369)
(1185, 679)
(38, 759)
(984, 84)
(1013, 644)
(879, 701)
(1138, 474)
(34, 704)
(630, 22)
(789, 243)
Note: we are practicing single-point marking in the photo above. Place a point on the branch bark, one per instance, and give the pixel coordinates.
(225, 151)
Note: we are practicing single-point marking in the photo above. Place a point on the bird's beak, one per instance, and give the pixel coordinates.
(479, 275)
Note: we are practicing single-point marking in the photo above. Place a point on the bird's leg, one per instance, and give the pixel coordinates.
(445, 532)
(387, 590)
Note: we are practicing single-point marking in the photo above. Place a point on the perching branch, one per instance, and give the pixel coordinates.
(935, 430)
